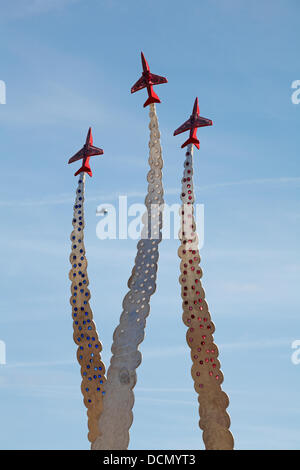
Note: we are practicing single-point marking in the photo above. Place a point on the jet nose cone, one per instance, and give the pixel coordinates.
(144, 63)
(89, 137)
(196, 106)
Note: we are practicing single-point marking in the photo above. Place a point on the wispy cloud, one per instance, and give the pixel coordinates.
(162, 390)
(263, 343)
(165, 352)
(241, 287)
(39, 364)
(69, 198)
(259, 344)
(169, 401)
(256, 181)
(53, 104)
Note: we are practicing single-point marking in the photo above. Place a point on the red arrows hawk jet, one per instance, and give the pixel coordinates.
(192, 124)
(87, 151)
(147, 80)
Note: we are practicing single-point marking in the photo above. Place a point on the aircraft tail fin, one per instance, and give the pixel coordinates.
(153, 98)
(84, 169)
(191, 140)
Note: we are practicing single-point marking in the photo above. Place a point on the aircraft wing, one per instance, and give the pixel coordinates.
(78, 156)
(184, 127)
(89, 153)
(94, 151)
(156, 79)
(139, 85)
(202, 122)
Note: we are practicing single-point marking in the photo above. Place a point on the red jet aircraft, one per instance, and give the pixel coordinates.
(147, 80)
(87, 151)
(192, 124)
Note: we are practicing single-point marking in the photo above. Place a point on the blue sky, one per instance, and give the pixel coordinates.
(69, 64)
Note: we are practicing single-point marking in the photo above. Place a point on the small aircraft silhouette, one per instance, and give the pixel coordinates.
(147, 80)
(192, 124)
(87, 151)
(102, 211)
